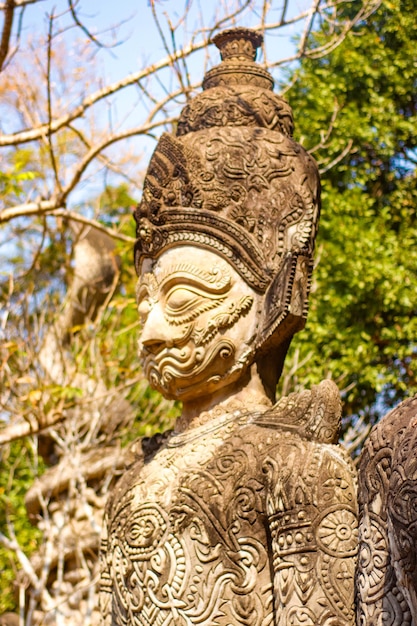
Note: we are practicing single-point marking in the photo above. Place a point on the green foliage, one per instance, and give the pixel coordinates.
(362, 323)
(18, 467)
(19, 171)
(115, 203)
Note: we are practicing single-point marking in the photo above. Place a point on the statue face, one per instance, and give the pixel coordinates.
(199, 320)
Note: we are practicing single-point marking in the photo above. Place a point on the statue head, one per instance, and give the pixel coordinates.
(225, 231)
(199, 319)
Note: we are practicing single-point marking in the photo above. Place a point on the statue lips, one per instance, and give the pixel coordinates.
(156, 351)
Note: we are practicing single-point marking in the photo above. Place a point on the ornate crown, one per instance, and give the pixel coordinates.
(234, 181)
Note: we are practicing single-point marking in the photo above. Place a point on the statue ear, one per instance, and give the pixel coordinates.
(286, 302)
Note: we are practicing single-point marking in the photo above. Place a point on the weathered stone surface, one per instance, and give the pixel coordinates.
(245, 513)
(235, 182)
(239, 520)
(387, 569)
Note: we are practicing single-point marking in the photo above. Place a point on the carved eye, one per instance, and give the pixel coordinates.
(181, 300)
(183, 305)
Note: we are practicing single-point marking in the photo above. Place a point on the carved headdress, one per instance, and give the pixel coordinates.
(234, 181)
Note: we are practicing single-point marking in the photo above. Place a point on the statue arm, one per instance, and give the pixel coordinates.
(312, 518)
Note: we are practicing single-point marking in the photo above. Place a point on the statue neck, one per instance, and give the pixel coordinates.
(243, 395)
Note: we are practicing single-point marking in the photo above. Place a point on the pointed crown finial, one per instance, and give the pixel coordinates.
(240, 43)
(238, 47)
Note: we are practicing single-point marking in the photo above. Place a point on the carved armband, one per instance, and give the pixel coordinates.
(312, 520)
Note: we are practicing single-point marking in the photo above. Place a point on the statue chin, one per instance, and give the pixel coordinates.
(190, 371)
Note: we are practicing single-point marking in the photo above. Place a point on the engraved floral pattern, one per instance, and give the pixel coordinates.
(190, 533)
(337, 532)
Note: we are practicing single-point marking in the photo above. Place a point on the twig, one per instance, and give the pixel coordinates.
(308, 27)
(231, 17)
(42, 130)
(325, 135)
(284, 11)
(339, 158)
(84, 28)
(94, 151)
(49, 100)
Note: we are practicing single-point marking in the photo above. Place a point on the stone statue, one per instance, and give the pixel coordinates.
(387, 568)
(245, 514)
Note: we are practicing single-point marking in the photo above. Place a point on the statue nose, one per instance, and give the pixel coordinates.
(155, 329)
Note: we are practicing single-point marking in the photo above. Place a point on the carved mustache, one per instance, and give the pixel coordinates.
(184, 364)
(159, 344)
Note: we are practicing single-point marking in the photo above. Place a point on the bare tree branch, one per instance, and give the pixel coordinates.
(308, 27)
(171, 59)
(30, 208)
(49, 100)
(24, 429)
(12, 544)
(9, 8)
(339, 158)
(42, 130)
(45, 207)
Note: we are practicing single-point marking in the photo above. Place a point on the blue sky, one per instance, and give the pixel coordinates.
(138, 31)
(140, 45)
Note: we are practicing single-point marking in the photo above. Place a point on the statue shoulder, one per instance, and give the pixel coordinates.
(151, 445)
(131, 460)
(143, 449)
(314, 414)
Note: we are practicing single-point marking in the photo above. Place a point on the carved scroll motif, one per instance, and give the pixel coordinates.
(246, 513)
(192, 533)
(387, 572)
